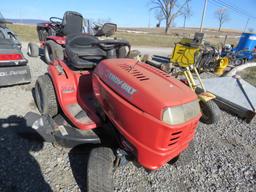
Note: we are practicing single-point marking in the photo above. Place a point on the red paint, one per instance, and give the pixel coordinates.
(10, 57)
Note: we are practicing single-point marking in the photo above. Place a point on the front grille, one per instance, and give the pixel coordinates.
(174, 138)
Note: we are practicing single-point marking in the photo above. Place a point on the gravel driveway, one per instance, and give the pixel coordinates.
(224, 155)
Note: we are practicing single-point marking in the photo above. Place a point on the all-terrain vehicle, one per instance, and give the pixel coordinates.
(52, 34)
(13, 65)
(97, 96)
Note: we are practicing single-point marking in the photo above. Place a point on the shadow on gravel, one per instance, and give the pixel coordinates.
(19, 171)
(78, 158)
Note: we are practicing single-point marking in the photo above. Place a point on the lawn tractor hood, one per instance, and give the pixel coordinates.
(156, 114)
(143, 86)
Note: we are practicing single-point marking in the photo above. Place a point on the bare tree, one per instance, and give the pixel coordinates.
(187, 13)
(159, 17)
(222, 16)
(170, 9)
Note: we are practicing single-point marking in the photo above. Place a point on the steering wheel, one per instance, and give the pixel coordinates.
(56, 20)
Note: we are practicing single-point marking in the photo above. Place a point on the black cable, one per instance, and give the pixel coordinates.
(233, 8)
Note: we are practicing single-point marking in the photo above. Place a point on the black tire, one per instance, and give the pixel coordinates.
(45, 96)
(174, 160)
(33, 50)
(52, 51)
(238, 62)
(210, 112)
(100, 170)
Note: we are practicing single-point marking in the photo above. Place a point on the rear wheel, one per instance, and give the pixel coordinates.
(33, 50)
(52, 51)
(210, 112)
(100, 170)
(45, 96)
(238, 62)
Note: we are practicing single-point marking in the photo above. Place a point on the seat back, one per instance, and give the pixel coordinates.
(72, 23)
(82, 52)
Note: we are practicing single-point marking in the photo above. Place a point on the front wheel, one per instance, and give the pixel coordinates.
(33, 50)
(45, 96)
(210, 112)
(100, 170)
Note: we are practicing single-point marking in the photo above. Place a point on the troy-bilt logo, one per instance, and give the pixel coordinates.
(123, 86)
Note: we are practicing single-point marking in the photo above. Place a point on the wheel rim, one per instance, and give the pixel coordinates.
(238, 62)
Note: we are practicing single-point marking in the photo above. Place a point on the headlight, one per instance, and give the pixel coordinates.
(181, 114)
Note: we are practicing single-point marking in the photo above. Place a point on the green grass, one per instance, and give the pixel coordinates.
(151, 40)
(25, 32)
(249, 75)
(155, 38)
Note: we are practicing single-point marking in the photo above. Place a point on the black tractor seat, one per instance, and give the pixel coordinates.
(85, 51)
(72, 23)
(82, 52)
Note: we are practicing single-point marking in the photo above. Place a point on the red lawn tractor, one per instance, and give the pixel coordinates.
(132, 111)
(52, 34)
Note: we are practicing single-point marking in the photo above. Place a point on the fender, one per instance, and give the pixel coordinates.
(66, 84)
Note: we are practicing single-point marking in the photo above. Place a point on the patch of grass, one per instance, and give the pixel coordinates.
(161, 40)
(151, 40)
(249, 75)
(155, 38)
(25, 32)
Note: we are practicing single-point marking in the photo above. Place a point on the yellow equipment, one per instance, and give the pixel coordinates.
(223, 64)
(185, 56)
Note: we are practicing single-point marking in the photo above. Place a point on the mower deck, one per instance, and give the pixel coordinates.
(14, 75)
(234, 95)
(58, 130)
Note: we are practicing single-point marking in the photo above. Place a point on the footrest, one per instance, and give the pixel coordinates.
(79, 114)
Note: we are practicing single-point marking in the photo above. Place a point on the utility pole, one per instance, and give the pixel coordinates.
(246, 24)
(203, 15)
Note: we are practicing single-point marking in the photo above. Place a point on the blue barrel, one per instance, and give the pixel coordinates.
(247, 42)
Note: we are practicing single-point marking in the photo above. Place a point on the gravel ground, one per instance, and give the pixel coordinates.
(224, 156)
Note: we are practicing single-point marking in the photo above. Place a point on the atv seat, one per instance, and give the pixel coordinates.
(72, 23)
(82, 51)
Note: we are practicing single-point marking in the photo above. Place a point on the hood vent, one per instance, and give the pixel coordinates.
(140, 76)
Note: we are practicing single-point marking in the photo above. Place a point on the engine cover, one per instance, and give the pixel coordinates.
(147, 88)
(134, 95)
